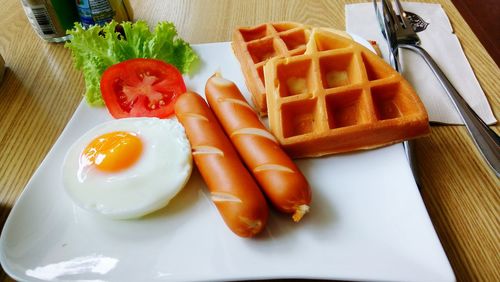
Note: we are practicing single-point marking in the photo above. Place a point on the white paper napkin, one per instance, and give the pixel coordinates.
(442, 44)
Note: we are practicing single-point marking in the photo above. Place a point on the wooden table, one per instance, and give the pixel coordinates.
(41, 90)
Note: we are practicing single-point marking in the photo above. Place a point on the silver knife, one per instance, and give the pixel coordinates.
(386, 23)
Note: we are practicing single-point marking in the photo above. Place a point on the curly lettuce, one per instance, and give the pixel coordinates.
(99, 47)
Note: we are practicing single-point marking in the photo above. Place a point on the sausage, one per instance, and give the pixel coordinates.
(233, 190)
(283, 183)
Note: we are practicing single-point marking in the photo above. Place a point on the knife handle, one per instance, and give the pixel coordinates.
(486, 140)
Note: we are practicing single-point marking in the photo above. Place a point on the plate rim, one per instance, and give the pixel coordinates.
(7, 264)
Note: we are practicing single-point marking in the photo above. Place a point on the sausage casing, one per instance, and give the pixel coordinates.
(283, 183)
(233, 190)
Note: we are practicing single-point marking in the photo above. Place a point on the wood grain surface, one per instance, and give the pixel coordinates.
(41, 90)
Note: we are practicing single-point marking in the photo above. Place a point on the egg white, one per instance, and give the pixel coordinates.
(162, 170)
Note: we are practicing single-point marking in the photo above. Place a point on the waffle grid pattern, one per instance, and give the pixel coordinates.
(339, 97)
(254, 46)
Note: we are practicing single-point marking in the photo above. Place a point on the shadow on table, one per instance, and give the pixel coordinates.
(4, 277)
(4, 212)
(9, 86)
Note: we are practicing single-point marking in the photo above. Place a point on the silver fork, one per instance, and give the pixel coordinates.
(400, 29)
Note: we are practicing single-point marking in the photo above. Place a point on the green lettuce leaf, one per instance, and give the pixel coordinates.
(99, 47)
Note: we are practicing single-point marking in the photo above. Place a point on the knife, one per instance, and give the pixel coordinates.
(387, 23)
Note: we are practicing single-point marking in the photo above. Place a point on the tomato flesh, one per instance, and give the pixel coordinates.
(141, 88)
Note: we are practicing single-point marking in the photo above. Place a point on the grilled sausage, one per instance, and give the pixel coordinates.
(233, 190)
(283, 183)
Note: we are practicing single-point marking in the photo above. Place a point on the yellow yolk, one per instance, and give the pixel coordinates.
(114, 151)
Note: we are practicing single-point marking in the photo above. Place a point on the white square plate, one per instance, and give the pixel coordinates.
(367, 222)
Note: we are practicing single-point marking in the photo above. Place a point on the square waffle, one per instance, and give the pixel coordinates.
(337, 97)
(254, 46)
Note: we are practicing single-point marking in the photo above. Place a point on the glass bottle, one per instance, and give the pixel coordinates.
(51, 18)
(99, 12)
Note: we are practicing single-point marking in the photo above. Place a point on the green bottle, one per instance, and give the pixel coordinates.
(51, 18)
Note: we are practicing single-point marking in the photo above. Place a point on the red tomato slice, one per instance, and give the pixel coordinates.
(141, 88)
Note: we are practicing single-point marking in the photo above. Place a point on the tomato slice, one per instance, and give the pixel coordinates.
(141, 88)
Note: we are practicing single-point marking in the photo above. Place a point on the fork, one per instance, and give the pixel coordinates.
(399, 27)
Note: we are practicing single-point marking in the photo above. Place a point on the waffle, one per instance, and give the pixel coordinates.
(337, 97)
(254, 46)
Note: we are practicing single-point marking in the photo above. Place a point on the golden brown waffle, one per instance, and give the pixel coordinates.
(337, 97)
(253, 46)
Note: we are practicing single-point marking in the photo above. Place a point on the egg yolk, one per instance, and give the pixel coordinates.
(114, 151)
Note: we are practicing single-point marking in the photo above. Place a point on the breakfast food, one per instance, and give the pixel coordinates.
(278, 176)
(126, 168)
(253, 46)
(338, 97)
(97, 48)
(233, 190)
(141, 88)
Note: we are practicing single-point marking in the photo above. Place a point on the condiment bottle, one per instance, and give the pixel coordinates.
(99, 12)
(51, 18)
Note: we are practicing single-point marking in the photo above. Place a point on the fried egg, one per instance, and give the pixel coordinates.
(126, 168)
